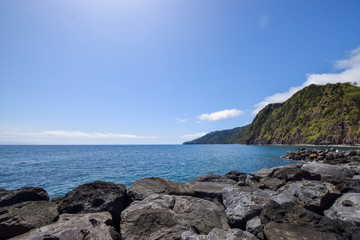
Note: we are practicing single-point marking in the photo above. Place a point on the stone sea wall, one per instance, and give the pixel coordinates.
(307, 200)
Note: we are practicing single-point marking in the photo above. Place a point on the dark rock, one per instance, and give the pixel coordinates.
(349, 185)
(236, 176)
(24, 194)
(350, 153)
(337, 161)
(22, 217)
(293, 216)
(57, 200)
(167, 217)
(210, 186)
(152, 218)
(3, 192)
(269, 172)
(346, 208)
(255, 227)
(271, 183)
(96, 197)
(313, 195)
(145, 187)
(201, 214)
(285, 231)
(329, 173)
(294, 174)
(210, 177)
(75, 227)
(242, 206)
(219, 234)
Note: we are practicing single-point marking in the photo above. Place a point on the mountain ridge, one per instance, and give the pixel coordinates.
(317, 114)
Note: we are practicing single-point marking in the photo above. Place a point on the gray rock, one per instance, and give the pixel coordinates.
(190, 235)
(242, 206)
(255, 227)
(210, 177)
(75, 227)
(346, 208)
(232, 234)
(22, 217)
(208, 190)
(313, 195)
(145, 187)
(285, 231)
(202, 215)
(96, 197)
(294, 174)
(350, 153)
(268, 172)
(293, 216)
(236, 176)
(210, 186)
(24, 194)
(271, 183)
(167, 217)
(329, 173)
(152, 218)
(219, 234)
(349, 185)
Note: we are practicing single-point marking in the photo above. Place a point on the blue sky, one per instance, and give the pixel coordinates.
(161, 71)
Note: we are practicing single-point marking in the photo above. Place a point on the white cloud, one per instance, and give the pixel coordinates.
(181, 121)
(193, 136)
(72, 134)
(220, 115)
(350, 73)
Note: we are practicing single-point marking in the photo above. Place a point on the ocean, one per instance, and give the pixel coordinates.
(59, 169)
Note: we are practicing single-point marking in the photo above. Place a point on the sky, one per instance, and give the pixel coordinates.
(161, 71)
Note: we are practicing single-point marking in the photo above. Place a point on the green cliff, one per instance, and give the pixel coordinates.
(317, 114)
(230, 136)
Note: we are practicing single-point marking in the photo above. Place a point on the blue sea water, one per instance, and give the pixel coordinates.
(59, 169)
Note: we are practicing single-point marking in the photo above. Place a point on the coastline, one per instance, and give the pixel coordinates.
(235, 205)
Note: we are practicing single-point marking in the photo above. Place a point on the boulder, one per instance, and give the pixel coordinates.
(145, 187)
(292, 216)
(346, 208)
(152, 218)
(24, 194)
(219, 234)
(168, 216)
(349, 185)
(255, 227)
(236, 175)
(313, 195)
(242, 206)
(329, 173)
(271, 183)
(210, 186)
(294, 174)
(210, 177)
(76, 227)
(269, 172)
(285, 231)
(22, 217)
(96, 197)
(202, 215)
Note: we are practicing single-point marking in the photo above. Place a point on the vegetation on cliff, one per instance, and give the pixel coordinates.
(229, 136)
(317, 114)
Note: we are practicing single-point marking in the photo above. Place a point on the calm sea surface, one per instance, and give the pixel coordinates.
(60, 169)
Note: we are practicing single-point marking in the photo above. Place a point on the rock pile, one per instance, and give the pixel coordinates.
(314, 200)
(329, 156)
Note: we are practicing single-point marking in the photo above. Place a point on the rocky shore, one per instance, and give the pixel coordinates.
(318, 199)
